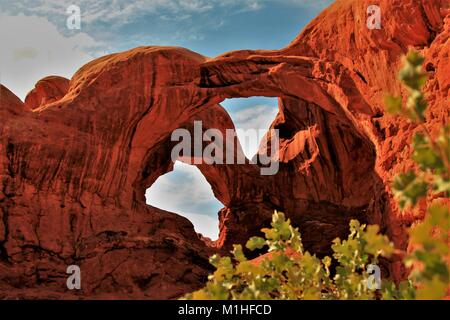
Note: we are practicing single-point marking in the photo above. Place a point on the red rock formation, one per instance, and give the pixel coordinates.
(47, 90)
(74, 169)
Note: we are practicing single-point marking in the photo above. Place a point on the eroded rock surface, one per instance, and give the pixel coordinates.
(47, 90)
(77, 157)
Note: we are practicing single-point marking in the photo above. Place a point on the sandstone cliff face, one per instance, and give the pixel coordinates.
(77, 157)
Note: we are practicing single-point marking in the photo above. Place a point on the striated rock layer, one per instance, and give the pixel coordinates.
(77, 156)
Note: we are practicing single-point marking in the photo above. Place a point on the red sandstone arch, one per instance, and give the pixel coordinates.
(73, 171)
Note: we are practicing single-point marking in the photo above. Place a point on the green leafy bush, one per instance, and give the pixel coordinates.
(430, 258)
(431, 155)
(286, 271)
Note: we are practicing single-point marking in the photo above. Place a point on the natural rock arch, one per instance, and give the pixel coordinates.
(73, 172)
(85, 146)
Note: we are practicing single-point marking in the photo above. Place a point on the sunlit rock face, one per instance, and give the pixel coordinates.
(76, 159)
(47, 90)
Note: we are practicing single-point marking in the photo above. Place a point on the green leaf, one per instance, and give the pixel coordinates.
(415, 58)
(415, 191)
(439, 216)
(376, 243)
(281, 225)
(442, 185)
(411, 74)
(409, 188)
(255, 243)
(214, 260)
(424, 154)
(238, 253)
(402, 181)
(393, 104)
(416, 105)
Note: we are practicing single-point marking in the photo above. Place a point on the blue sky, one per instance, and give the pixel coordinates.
(210, 27)
(36, 42)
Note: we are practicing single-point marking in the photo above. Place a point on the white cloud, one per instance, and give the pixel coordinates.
(123, 11)
(206, 225)
(186, 192)
(125, 24)
(119, 11)
(32, 48)
(257, 118)
(175, 20)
